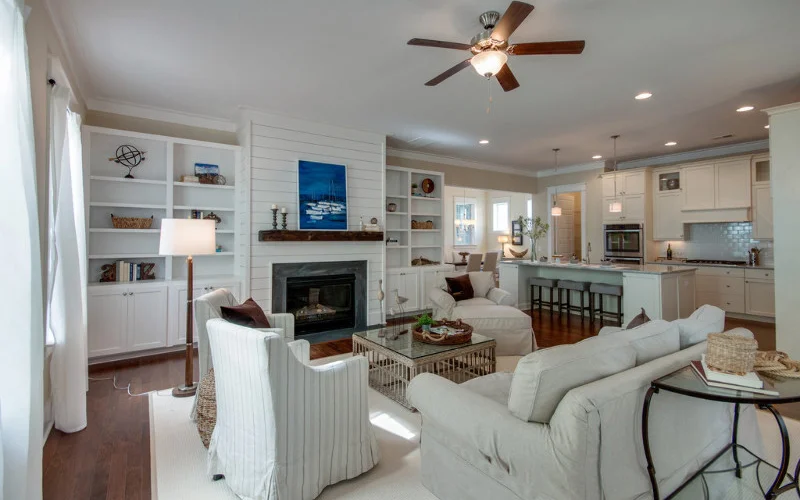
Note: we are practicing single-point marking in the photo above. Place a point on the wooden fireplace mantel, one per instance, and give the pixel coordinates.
(286, 235)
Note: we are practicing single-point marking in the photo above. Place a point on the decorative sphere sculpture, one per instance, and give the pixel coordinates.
(129, 157)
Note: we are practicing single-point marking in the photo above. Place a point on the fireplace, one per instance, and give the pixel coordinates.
(322, 296)
(321, 303)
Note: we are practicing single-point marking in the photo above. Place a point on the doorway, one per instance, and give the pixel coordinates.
(567, 235)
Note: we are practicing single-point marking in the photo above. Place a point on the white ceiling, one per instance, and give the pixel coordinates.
(346, 62)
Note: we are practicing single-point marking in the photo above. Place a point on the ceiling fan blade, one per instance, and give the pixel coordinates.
(547, 48)
(423, 42)
(447, 74)
(507, 79)
(513, 17)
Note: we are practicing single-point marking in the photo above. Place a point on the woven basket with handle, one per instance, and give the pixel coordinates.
(131, 222)
(731, 353)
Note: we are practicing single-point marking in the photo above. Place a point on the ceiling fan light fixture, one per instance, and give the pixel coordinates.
(489, 62)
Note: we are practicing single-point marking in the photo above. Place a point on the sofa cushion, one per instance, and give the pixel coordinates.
(651, 340)
(460, 287)
(476, 301)
(695, 329)
(482, 282)
(495, 386)
(543, 377)
(490, 316)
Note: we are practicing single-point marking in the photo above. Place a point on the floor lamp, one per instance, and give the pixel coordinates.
(188, 237)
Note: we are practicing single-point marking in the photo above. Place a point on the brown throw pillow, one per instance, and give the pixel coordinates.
(638, 320)
(460, 287)
(247, 314)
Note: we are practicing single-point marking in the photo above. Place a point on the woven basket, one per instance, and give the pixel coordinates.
(131, 222)
(206, 407)
(731, 353)
(422, 225)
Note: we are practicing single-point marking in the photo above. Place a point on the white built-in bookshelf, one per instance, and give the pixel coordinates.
(413, 243)
(157, 191)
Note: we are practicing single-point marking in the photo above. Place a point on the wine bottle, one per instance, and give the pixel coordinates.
(669, 251)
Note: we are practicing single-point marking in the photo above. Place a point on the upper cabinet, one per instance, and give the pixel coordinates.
(630, 192)
(699, 182)
(724, 184)
(627, 183)
(762, 198)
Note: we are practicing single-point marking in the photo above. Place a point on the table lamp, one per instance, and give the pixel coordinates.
(502, 239)
(188, 237)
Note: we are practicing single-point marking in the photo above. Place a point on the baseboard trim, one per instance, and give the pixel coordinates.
(750, 317)
(136, 358)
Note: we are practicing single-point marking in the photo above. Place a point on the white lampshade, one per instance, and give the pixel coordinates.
(615, 207)
(187, 237)
(555, 211)
(502, 238)
(489, 62)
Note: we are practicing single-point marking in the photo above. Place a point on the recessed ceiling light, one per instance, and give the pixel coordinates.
(766, 126)
(483, 141)
(643, 95)
(597, 157)
(671, 143)
(745, 108)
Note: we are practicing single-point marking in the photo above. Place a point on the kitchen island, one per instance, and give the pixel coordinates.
(665, 292)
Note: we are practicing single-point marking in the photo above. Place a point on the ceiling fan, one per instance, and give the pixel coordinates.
(490, 47)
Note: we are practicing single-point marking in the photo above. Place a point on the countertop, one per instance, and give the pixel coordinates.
(694, 264)
(616, 268)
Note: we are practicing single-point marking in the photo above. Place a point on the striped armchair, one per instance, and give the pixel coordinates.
(285, 429)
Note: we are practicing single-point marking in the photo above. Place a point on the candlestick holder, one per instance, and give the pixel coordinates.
(283, 224)
(274, 219)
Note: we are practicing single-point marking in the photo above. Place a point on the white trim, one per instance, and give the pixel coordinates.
(776, 110)
(697, 155)
(166, 138)
(457, 162)
(567, 188)
(583, 167)
(164, 115)
(79, 80)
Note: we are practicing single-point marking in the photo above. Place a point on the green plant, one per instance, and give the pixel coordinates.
(534, 228)
(423, 320)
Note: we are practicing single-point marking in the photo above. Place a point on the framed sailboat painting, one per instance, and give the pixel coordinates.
(321, 196)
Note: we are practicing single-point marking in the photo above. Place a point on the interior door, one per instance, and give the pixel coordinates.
(107, 321)
(565, 225)
(147, 318)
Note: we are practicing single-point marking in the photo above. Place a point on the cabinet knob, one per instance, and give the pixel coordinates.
(211, 288)
(727, 286)
(124, 294)
(130, 293)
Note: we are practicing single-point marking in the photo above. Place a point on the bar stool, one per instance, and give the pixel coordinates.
(570, 286)
(606, 289)
(539, 283)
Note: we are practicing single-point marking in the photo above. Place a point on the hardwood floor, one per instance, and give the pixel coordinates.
(110, 459)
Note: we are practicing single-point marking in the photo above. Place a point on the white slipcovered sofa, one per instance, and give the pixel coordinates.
(567, 423)
(492, 312)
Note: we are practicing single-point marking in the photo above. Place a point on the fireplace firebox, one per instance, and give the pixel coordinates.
(321, 303)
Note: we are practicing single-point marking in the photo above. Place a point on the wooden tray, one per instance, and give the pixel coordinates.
(432, 338)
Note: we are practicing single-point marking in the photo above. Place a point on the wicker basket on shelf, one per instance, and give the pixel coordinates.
(428, 224)
(131, 222)
(731, 353)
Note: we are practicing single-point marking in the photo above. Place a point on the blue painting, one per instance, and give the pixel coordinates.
(322, 196)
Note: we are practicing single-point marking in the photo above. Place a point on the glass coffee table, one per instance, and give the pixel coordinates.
(393, 363)
(735, 472)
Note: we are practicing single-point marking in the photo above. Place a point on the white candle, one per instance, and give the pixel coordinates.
(283, 210)
(274, 206)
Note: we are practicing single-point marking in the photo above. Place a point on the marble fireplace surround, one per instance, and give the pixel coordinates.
(282, 271)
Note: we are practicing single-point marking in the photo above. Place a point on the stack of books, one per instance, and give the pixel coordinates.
(128, 271)
(749, 382)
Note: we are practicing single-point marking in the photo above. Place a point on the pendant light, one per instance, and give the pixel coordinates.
(556, 210)
(615, 206)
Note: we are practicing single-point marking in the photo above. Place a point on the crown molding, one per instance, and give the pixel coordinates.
(456, 162)
(776, 110)
(68, 65)
(164, 115)
(582, 167)
(697, 154)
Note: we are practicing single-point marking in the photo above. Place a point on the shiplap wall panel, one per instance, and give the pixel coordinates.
(275, 145)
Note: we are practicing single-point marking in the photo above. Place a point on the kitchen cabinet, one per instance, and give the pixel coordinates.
(667, 217)
(759, 292)
(737, 290)
(178, 298)
(717, 186)
(126, 318)
(632, 209)
(627, 183)
(698, 187)
(406, 283)
(761, 173)
(762, 212)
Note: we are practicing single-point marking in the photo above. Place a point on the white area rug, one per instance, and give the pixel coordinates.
(178, 458)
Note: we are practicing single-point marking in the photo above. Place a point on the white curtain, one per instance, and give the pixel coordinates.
(66, 273)
(22, 333)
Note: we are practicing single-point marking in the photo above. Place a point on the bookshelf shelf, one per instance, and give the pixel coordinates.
(123, 180)
(203, 186)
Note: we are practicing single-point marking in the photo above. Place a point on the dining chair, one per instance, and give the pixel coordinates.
(490, 262)
(474, 262)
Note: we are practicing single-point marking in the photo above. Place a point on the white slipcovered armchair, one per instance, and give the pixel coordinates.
(285, 429)
(491, 312)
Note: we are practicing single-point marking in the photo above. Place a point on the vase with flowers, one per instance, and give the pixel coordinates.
(534, 228)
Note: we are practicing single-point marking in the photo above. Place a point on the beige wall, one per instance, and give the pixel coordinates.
(147, 126)
(470, 177)
(592, 205)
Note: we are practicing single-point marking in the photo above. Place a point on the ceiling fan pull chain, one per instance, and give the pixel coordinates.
(489, 107)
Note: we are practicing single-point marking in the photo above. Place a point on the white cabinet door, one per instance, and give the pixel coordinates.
(430, 278)
(667, 216)
(410, 289)
(699, 184)
(609, 217)
(608, 185)
(733, 184)
(686, 294)
(394, 284)
(179, 311)
(760, 297)
(147, 318)
(633, 208)
(762, 212)
(107, 321)
(633, 184)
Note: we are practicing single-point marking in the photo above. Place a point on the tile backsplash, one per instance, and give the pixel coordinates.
(723, 241)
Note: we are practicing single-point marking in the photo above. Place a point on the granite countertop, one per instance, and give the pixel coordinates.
(616, 268)
(694, 264)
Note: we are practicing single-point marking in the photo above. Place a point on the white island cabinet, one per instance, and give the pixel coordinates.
(664, 292)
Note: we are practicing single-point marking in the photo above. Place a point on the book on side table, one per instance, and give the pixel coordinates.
(750, 382)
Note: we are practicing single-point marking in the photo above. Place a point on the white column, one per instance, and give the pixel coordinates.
(784, 146)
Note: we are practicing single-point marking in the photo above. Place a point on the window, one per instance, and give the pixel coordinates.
(530, 208)
(465, 210)
(500, 216)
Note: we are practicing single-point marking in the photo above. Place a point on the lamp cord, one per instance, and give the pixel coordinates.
(127, 388)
